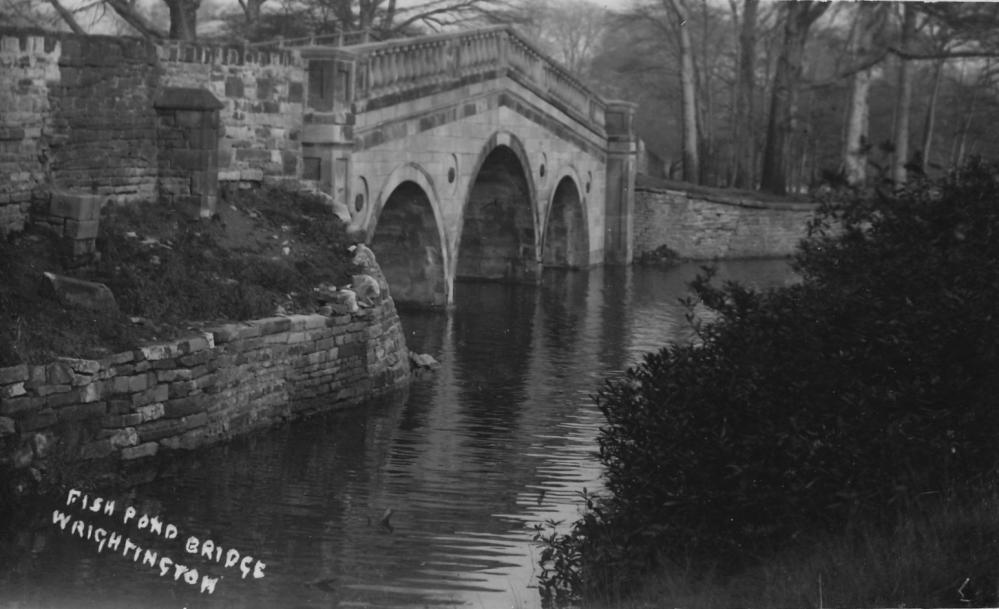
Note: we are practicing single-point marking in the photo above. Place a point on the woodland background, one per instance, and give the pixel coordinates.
(777, 96)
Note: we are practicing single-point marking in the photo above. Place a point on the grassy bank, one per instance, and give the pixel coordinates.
(264, 252)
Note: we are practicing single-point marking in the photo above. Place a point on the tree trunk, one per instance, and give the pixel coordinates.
(856, 143)
(904, 102)
(688, 82)
(251, 13)
(742, 132)
(968, 115)
(183, 19)
(930, 121)
(707, 163)
(799, 17)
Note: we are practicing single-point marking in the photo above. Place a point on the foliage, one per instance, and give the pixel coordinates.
(853, 396)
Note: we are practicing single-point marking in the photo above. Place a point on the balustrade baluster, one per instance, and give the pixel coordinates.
(395, 67)
(375, 73)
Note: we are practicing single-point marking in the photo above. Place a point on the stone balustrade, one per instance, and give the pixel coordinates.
(396, 67)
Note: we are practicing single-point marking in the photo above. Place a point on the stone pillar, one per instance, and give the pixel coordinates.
(622, 156)
(327, 133)
(187, 135)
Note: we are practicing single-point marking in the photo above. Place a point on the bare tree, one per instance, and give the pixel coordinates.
(869, 19)
(688, 83)
(252, 11)
(929, 121)
(799, 16)
(903, 108)
(570, 31)
(742, 135)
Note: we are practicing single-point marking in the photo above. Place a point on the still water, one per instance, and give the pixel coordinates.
(500, 438)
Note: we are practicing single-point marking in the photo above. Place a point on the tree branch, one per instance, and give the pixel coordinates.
(134, 19)
(68, 17)
(860, 67)
(944, 55)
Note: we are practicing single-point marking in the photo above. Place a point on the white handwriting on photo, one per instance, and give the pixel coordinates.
(105, 537)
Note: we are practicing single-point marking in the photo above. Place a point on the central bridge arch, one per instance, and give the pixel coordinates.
(497, 239)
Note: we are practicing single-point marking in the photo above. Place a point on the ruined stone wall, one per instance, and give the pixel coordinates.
(262, 93)
(103, 122)
(702, 224)
(77, 113)
(76, 415)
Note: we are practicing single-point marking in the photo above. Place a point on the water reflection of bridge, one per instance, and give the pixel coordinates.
(462, 463)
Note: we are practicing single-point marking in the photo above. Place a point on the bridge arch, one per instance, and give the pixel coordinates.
(407, 237)
(498, 237)
(566, 240)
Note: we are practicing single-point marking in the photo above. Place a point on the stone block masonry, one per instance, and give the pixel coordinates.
(262, 94)
(78, 113)
(27, 65)
(85, 417)
(703, 224)
(102, 121)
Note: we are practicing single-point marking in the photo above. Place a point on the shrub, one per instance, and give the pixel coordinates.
(857, 394)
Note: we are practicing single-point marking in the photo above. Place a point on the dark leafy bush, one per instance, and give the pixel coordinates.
(867, 389)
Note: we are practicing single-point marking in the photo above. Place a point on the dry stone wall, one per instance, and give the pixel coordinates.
(76, 416)
(701, 224)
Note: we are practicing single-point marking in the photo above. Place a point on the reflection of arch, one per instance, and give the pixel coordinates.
(407, 236)
(498, 235)
(567, 236)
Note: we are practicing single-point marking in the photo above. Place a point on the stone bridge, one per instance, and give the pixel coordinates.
(464, 155)
(468, 156)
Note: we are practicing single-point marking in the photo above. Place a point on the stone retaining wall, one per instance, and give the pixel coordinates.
(702, 224)
(76, 416)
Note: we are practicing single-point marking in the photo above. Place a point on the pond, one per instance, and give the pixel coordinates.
(425, 499)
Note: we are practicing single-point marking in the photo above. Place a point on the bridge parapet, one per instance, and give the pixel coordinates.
(386, 70)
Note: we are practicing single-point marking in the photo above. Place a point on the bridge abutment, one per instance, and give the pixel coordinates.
(622, 155)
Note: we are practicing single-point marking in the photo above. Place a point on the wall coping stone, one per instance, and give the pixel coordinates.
(187, 98)
(725, 196)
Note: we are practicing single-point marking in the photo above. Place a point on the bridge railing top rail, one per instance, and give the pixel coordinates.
(396, 66)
